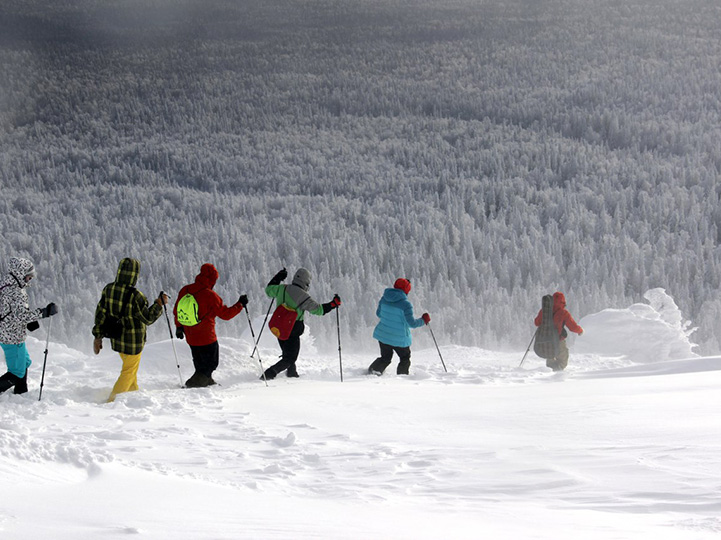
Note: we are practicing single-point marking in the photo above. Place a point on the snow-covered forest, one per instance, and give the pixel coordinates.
(490, 151)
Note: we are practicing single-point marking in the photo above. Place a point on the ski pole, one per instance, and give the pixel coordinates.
(529, 348)
(340, 356)
(172, 341)
(253, 334)
(261, 331)
(437, 347)
(45, 360)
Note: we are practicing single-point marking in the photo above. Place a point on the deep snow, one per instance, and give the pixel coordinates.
(617, 446)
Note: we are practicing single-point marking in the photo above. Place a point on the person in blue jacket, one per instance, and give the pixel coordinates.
(393, 331)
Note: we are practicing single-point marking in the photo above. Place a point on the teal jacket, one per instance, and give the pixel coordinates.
(396, 319)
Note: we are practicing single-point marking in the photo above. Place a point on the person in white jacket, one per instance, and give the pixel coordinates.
(16, 318)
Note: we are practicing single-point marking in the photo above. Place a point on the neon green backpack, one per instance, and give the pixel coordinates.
(187, 310)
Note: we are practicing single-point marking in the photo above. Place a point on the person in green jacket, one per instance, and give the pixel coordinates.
(294, 296)
(122, 300)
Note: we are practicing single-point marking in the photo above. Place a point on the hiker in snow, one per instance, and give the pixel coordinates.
(561, 319)
(122, 315)
(393, 331)
(292, 301)
(16, 318)
(195, 311)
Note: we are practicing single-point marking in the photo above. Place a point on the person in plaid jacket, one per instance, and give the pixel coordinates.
(121, 299)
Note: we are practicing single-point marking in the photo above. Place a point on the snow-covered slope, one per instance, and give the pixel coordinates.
(611, 448)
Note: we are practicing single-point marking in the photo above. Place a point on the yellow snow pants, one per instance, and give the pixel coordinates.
(128, 380)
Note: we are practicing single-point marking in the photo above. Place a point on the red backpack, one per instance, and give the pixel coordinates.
(282, 321)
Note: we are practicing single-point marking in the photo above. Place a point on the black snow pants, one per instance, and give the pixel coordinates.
(290, 349)
(380, 364)
(205, 359)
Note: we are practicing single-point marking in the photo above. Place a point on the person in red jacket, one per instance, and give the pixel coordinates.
(561, 319)
(201, 336)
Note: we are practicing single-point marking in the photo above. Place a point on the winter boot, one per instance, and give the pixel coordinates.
(22, 385)
(292, 372)
(194, 381)
(403, 367)
(7, 381)
(269, 374)
(204, 380)
(378, 366)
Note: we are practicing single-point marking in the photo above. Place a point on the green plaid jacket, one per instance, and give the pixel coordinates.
(135, 314)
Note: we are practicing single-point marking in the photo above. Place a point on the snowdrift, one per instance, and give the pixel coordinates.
(645, 333)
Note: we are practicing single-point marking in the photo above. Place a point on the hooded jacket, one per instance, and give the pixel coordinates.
(396, 319)
(210, 306)
(14, 309)
(561, 317)
(121, 299)
(295, 295)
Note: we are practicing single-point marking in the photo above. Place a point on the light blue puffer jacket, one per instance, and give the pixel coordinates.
(396, 319)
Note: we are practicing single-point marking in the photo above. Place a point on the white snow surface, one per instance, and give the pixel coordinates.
(617, 446)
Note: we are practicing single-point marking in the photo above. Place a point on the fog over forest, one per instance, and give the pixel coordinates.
(490, 151)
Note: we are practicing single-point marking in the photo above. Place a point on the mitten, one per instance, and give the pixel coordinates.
(179, 332)
(426, 318)
(49, 310)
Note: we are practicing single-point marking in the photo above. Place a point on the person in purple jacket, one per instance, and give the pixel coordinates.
(393, 331)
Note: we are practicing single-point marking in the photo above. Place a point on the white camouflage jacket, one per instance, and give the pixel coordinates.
(14, 309)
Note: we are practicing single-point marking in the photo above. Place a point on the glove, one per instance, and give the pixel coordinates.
(49, 310)
(32, 326)
(243, 300)
(97, 345)
(335, 302)
(280, 276)
(426, 318)
(179, 332)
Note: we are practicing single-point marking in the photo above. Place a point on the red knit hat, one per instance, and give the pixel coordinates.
(402, 284)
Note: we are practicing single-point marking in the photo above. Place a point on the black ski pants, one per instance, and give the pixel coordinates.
(290, 349)
(381, 363)
(206, 358)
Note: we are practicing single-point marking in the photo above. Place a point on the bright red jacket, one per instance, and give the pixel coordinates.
(210, 306)
(561, 316)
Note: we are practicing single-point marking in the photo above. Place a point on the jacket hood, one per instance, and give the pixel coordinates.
(394, 295)
(208, 276)
(302, 279)
(559, 301)
(128, 272)
(19, 267)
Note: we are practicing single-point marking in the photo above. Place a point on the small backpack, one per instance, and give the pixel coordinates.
(548, 342)
(112, 326)
(187, 311)
(282, 321)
